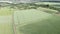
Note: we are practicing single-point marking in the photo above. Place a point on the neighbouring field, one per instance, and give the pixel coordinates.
(6, 21)
(6, 28)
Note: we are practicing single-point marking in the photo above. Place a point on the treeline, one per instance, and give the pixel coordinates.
(28, 6)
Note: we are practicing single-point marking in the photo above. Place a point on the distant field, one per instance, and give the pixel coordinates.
(6, 11)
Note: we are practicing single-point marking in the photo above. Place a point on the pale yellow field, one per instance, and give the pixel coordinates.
(6, 21)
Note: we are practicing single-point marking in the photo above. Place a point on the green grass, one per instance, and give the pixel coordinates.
(34, 21)
(46, 26)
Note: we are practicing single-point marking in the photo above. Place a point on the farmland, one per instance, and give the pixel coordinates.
(30, 19)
